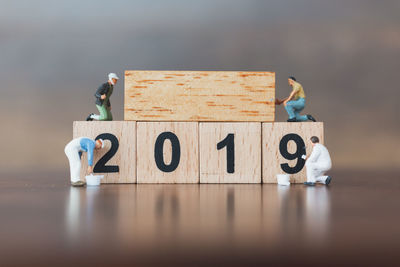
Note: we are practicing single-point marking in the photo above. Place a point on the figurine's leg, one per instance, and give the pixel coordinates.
(290, 109)
(109, 115)
(311, 171)
(74, 164)
(298, 106)
(320, 177)
(103, 112)
(94, 117)
(301, 117)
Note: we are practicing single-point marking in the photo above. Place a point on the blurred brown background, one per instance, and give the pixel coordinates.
(54, 55)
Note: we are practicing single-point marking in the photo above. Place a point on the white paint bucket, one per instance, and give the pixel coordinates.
(283, 179)
(93, 180)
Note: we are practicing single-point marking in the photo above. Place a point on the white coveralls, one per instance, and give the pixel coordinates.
(317, 164)
(72, 150)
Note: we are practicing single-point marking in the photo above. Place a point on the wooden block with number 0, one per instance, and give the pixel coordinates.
(167, 152)
(117, 160)
(230, 152)
(283, 144)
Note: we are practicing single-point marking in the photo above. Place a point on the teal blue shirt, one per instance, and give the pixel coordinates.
(88, 145)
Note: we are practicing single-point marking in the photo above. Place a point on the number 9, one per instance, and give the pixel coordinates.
(300, 150)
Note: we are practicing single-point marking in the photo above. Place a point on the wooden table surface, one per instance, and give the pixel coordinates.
(46, 222)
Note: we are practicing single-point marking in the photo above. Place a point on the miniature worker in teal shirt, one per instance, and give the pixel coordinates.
(103, 104)
(295, 103)
(74, 150)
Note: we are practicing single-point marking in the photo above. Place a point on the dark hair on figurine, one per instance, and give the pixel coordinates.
(292, 78)
(314, 139)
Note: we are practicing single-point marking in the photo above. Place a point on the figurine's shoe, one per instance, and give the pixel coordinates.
(311, 118)
(309, 183)
(89, 118)
(78, 184)
(292, 120)
(328, 180)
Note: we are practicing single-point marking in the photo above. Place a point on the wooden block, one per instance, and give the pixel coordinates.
(167, 152)
(124, 135)
(199, 96)
(283, 144)
(230, 152)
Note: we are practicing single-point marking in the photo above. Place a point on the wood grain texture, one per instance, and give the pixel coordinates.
(272, 134)
(228, 208)
(199, 96)
(125, 157)
(188, 168)
(213, 162)
(159, 210)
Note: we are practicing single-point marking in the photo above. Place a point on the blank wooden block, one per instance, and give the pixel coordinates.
(125, 156)
(281, 137)
(199, 96)
(216, 164)
(176, 159)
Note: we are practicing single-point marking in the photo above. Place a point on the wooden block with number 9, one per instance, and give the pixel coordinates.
(283, 145)
(117, 160)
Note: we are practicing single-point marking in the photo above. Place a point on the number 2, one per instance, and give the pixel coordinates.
(101, 164)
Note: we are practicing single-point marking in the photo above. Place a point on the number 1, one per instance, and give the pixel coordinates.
(229, 143)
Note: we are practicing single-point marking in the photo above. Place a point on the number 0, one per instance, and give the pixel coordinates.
(159, 152)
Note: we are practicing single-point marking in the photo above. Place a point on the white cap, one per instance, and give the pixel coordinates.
(112, 76)
(102, 142)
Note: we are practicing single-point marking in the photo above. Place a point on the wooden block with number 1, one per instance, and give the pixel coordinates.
(117, 160)
(283, 144)
(230, 152)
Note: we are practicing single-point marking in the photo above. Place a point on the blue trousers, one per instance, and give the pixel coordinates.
(294, 107)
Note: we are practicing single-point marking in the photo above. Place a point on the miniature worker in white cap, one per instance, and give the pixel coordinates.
(103, 104)
(318, 163)
(74, 150)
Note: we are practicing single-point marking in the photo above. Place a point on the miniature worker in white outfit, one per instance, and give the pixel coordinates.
(74, 150)
(318, 163)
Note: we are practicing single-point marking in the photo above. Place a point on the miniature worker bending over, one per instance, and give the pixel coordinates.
(318, 163)
(103, 104)
(74, 150)
(295, 103)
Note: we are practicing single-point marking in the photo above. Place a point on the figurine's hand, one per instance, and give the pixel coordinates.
(89, 169)
(284, 103)
(277, 101)
(103, 96)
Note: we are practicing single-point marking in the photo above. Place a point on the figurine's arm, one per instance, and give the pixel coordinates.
(290, 97)
(100, 91)
(314, 154)
(90, 149)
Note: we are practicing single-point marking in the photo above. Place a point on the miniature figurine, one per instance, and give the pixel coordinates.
(102, 95)
(318, 163)
(74, 150)
(295, 103)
